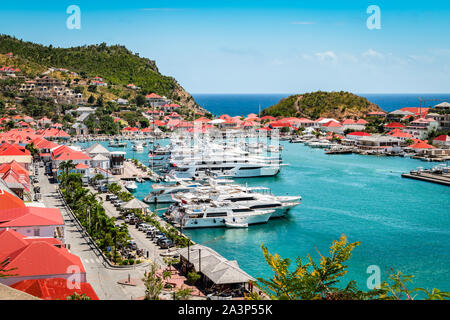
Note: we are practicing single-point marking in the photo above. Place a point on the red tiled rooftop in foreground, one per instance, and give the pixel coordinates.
(9, 201)
(54, 289)
(30, 216)
(36, 257)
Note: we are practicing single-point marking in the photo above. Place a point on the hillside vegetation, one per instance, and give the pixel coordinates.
(115, 64)
(322, 104)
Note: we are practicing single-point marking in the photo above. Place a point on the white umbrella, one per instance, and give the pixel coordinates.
(135, 204)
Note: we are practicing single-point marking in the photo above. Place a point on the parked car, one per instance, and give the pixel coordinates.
(160, 238)
(132, 245)
(166, 244)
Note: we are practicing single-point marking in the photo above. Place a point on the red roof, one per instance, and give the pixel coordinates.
(15, 166)
(401, 134)
(153, 96)
(27, 257)
(7, 149)
(81, 166)
(30, 216)
(442, 137)
(268, 118)
(394, 125)
(9, 201)
(54, 288)
(359, 134)
(421, 145)
(332, 123)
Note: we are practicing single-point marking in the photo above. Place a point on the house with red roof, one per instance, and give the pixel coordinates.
(14, 152)
(156, 100)
(17, 180)
(421, 127)
(279, 124)
(10, 201)
(65, 153)
(443, 141)
(34, 221)
(393, 125)
(54, 288)
(356, 135)
(37, 258)
(170, 107)
(270, 118)
(332, 126)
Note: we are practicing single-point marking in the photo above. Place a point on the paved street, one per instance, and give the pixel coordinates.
(103, 279)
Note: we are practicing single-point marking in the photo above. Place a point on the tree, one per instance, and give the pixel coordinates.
(76, 296)
(33, 150)
(153, 283)
(192, 278)
(182, 294)
(320, 281)
(91, 99)
(140, 100)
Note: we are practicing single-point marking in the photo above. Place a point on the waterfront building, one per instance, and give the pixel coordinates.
(420, 128)
(216, 271)
(378, 142)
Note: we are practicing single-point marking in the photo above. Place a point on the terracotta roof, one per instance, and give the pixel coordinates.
(9, 201)
(26, 258)
(394, 125)
(421, 145)
(30, 216)
(442, 137)
(54, 288)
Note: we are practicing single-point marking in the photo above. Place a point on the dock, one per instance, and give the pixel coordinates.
(443, 179)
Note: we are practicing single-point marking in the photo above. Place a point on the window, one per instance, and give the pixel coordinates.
(37, 232)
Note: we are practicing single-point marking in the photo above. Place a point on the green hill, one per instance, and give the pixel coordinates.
(322, 104)
(115, 64)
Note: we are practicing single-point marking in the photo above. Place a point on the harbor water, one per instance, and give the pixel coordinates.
(402, 224)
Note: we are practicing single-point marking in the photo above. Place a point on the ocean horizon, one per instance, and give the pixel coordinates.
(242, 104)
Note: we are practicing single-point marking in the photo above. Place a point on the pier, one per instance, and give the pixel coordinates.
(443, 179)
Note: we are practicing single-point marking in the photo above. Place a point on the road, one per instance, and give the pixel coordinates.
(102, 278)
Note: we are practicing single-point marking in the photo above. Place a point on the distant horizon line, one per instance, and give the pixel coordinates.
(287, 93)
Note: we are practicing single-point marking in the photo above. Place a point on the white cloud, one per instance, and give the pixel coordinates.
(372, 54)
(326, 56)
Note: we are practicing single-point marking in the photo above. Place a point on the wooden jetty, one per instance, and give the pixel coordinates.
(443, 179)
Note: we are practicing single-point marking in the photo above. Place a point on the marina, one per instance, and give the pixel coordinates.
(338, 196)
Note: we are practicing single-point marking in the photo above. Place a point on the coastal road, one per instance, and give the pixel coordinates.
(102, 278)
(154, 252)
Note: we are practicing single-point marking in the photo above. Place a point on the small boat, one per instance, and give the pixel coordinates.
(131, 186)
(138, 147)
(231, 224)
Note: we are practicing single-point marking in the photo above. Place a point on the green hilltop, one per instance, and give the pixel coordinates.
(115, 64)
(322, 104)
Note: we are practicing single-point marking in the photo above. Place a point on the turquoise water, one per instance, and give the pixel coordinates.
(402, 224)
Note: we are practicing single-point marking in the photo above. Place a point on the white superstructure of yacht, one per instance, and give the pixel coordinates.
(215, 215)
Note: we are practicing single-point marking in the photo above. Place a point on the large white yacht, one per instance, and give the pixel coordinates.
(215, 214)
(252, 200)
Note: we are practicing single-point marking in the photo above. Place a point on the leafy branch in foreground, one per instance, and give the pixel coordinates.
(319, 281)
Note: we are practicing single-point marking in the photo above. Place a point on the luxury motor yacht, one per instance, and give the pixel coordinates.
(215, 214)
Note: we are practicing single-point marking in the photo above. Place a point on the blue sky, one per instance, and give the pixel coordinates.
(249, 46)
